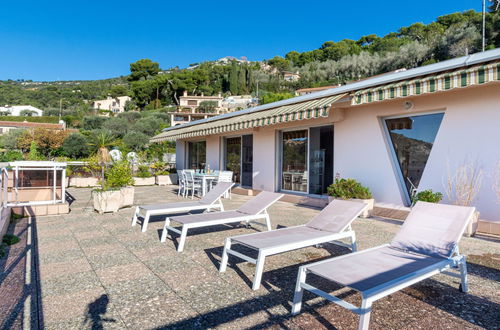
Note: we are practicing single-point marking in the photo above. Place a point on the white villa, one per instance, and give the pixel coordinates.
(114, 104)
(18, 110)
(396, 132)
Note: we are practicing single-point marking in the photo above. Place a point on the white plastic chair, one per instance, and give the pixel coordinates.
(192, 183)
(182, 182)
(224, 176)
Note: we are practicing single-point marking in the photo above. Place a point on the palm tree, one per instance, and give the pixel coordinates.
(101, 141)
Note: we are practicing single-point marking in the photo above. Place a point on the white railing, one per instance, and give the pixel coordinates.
(4, 186)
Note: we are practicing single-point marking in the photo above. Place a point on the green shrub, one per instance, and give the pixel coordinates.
(11, 155)
(143, 172)
(117, 176)
(427, 196)
(10, 239)
(75, 146)
(348, 188)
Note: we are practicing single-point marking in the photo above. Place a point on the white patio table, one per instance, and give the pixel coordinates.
(205, 178)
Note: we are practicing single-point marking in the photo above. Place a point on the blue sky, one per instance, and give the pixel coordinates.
(78, 40)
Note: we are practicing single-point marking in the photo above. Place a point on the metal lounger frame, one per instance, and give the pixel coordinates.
(183, 232)
(369, 296)
(169, 210)
(265, 252)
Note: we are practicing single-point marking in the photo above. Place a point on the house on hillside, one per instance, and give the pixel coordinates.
(394, 133)
(305, 91)
(191, 108)
(114, 104)
(20, 110)
(291, 76)
(6, 126)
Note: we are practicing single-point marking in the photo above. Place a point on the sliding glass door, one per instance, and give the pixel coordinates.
(238, 158)
(233, 157)
(307, 160)
(196, 155)
(294, 175)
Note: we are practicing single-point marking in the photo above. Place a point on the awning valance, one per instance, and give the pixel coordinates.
(293, 112)
(444, 81)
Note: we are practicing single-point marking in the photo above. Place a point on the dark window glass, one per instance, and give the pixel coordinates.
(412, 139)
(196, 155)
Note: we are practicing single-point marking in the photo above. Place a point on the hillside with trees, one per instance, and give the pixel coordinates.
(155, 92)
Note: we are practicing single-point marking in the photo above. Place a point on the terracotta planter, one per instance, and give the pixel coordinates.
(107, 201)
(471, 228)
(80, 182)
(144, 181)
(369, 208)
(164, 180)
(127, 196)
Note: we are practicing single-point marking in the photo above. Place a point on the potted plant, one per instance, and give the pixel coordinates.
(87, 175)
(116, 191)
(163, 176)
(352, 190)
(143, 176)
(427, 196)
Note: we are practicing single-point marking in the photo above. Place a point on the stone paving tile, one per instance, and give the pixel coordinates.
(120, 273)
(111, 258)
(69, 283)
(54, 239)
(60, 255)
(165, 263)
(58, 246)
(128, 293)
(59, 308)
(90, 234)
(112, 246)
(57, 269)
(96, 241)
(168, 310)
(186, 279)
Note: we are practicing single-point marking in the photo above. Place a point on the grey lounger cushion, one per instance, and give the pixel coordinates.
(371, 268)
(334, 218)
(433, 229)
(159, 207)
(278, 237)
(196, 218)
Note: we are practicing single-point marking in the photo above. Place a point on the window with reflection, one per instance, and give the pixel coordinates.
(412, 139)
(294, 161)
(197, 155)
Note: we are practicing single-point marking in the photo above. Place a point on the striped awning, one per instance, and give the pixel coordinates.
(423, 85)
(287, 113)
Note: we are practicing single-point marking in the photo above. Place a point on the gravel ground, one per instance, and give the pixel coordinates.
(96, 271)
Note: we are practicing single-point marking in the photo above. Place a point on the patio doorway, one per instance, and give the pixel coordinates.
(307, 160)
(238, 158)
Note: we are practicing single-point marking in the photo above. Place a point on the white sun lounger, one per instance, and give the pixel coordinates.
(426, 245)
(211, 201)
(331, 224)
(253, 210)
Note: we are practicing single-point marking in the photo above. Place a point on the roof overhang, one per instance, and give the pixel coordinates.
(247, 120)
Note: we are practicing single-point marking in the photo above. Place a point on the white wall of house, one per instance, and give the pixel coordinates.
(213, 151)
(180, 154)
(469, 132)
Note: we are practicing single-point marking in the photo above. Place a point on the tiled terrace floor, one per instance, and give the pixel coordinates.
(96, 271)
